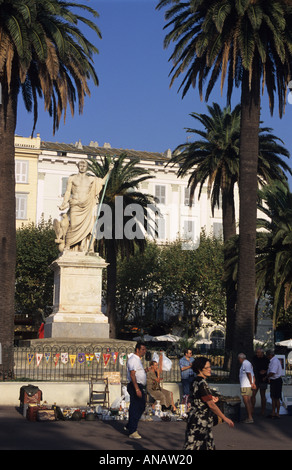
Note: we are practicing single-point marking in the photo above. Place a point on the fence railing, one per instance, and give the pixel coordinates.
(69, 363)
(79, 363)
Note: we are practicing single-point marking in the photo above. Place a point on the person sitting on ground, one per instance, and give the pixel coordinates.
(155, 390)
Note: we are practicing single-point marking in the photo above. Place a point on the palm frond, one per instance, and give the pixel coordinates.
(43, 41)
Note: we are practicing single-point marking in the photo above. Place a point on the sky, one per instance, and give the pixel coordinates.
(133, 107)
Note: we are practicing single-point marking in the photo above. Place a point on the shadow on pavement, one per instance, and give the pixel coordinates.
(17, 433)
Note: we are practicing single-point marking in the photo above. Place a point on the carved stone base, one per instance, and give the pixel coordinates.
(54, 328)
(77, 298)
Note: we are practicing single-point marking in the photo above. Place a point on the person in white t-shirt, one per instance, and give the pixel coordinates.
(247, 385)
(136, 378)
(274, 377)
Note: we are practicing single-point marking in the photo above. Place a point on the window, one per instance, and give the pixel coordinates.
(21, 206)
(160, 227)
(187, 197)
(217, 338)
(160, 194)
(189, 230)
(217, 230)
(64, 185)
(21, 171)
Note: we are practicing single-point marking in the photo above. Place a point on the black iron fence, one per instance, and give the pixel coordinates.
(73, 362)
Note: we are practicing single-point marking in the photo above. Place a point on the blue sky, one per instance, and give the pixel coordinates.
(133, 107)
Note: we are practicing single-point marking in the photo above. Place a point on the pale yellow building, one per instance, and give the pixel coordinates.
(27, 152)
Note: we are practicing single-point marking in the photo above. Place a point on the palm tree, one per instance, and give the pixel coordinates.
(274, 244)
(44, 55)
(215, 158)
(249, 43)
(121, 194)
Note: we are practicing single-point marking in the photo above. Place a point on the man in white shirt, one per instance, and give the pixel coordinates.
(274, 376)
(136, 378)
(247, 384)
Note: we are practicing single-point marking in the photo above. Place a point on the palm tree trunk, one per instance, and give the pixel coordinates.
(111, 258)
(7, 230)
(228, 211)
(249, 146)
(229, 231)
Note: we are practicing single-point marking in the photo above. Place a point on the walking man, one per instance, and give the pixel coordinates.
(137, 379)
(247, 385)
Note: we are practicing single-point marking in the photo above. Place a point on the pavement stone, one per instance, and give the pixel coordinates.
(17, 433)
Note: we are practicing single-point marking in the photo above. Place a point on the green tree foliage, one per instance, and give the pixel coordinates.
(36, 250)
(189, 282)
(193, 278)
(138, 277)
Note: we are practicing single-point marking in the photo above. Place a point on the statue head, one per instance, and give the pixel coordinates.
(82, 166)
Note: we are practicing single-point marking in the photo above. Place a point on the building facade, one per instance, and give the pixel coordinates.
(43, 168)
(58, 161)
(27, 152)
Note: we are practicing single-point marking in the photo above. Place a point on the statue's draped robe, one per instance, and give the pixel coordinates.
(82, 214)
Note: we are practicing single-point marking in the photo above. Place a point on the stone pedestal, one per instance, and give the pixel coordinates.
(77, 298)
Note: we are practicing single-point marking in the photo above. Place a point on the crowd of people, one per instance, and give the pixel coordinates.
(201, 402)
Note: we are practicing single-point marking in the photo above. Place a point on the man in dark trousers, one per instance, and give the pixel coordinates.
(260, 365)
(136, 378)
(187, 373)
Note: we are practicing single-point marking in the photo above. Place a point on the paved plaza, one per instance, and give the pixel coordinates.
(17, 433)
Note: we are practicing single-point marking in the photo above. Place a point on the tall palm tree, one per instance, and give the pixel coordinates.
(215, 158)
(44, 55)
(249, 43)
(122, 193)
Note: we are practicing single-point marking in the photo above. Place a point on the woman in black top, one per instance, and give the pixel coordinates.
(203, 410)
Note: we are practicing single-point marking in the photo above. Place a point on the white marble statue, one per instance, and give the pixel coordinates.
(81, 197)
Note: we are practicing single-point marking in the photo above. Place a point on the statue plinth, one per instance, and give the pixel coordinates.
(77, 297)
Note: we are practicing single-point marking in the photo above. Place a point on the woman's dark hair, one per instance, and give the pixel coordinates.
(199, 364)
